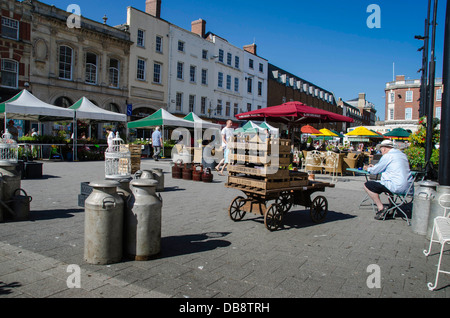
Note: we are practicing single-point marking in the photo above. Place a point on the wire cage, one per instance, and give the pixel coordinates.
(117, 159)
(9, 149)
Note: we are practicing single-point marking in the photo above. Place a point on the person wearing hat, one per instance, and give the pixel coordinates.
(396, 176)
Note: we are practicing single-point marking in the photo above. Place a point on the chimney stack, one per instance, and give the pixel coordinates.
(199, 27)
(153, 7)
(251, 48)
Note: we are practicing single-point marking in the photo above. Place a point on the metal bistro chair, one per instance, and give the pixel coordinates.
(441, 229)
(398, 200)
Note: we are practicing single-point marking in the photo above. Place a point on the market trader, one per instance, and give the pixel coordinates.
(396, 176)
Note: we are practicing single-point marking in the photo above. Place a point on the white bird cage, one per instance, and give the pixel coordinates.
(9, 150)
(117, 160)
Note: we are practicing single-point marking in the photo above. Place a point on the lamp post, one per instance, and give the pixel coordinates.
(424, 69)
(430, 104)
(444, 150)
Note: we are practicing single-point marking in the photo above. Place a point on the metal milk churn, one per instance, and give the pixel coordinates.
(158, 175)
(147, 174)
(21, 205)
(103, 226)
(11, 180)
(143, 220)
(436, 208)
(124, 189)
(421, 206)
(2, 208)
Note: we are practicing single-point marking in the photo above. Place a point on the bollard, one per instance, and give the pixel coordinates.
(103, 225)
(436, 209)
(421, 206)
(143, 220)
(11, 180)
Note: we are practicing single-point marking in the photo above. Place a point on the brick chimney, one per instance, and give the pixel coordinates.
(361, 100)
(153, 7)
(251, 48)
(399, 77)
(199, 27)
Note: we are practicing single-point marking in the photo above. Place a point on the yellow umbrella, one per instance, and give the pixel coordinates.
(326, 133)
(361, 131)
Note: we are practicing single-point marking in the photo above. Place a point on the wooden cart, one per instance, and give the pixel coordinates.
(252, 172)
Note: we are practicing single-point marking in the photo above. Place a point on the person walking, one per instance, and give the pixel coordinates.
(227, 134)
(157, 143)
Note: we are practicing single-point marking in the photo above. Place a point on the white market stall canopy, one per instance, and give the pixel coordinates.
(86, 110)
(27, 106)
(160, 118)
(198, 122)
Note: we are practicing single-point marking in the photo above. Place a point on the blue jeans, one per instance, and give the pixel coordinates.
(156, 151)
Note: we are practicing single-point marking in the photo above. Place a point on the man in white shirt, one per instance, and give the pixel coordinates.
(396, 176)
(227, 133)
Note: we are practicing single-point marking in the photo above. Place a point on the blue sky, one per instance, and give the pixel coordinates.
(326, 42)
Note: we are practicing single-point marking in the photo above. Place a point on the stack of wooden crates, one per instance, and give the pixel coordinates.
(135, 156)
(253, 164)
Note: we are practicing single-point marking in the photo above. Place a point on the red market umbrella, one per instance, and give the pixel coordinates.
(294, 113)
(308, 129)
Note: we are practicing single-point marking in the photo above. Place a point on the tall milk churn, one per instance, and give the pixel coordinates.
(11, 180)
(103, 226)
(159, 176)
(436, 208)
(143, 220)
(421, 206)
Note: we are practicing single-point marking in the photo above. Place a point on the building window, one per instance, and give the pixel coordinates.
(157, 73)
(180, 46)
(391, 97)
(114, 73)
(229, 82)
(179, 102)
(65, 62)
(220, 79)
(192, 72)
(219, 107)
(220, 55)
(140, 74)
(158, 46)
(204, 76)
(249, 107)
(203, 105)
(227, 109)
(236, 109)
(191, 103)
(236, 61)
(236, 84)
(439, 94)
(140, 38)
(9, 73)
(259, 88)
(205, 54)
(250, 63)
(249, 85)
(409, 96)
(229, 58)
(438, 112)
(408, 113)
(180, 70)
(10, 28)
(91, 68)
(391, 114)
(261, 67)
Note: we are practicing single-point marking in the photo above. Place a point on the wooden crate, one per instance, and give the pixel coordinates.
(259, 184)
(259, 171)
(298, 179)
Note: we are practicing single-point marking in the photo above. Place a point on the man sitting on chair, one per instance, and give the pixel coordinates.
(396, 176)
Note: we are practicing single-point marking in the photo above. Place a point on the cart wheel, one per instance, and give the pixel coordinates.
(319, 209)
(285, 201)
(273, 217)
(234, 211)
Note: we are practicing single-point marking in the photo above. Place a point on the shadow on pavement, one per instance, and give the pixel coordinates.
(194, 243)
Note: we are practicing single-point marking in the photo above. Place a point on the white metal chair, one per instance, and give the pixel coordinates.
(441, 229)
(398, 200)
